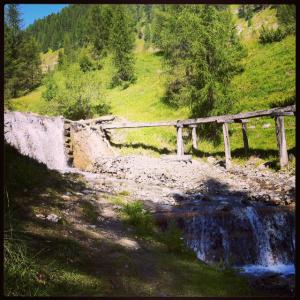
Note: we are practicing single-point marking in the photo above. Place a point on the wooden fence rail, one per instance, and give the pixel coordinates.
(278, 113)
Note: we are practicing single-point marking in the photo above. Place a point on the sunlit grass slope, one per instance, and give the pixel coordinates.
(32, 102)
(249, 31)
(142, 101)
(268, 80)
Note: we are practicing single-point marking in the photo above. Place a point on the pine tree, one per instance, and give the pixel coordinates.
(99, 27)
(148, 12)
(13, 39)
(50, 31)
(14, 21)
(60, 59)
(68, 49)
(160, 18)
(286, 15)
(122, 42)
(21, 56)
(30, 55)
(202, 49)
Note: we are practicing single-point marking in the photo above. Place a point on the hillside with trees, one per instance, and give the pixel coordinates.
(164, 68)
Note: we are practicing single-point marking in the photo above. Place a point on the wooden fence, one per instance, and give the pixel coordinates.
(242, 118)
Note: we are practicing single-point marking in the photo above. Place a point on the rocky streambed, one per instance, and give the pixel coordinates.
(242, 218)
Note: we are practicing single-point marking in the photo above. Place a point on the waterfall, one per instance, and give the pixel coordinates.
(265, 256)
(260, 238)
(38, 137)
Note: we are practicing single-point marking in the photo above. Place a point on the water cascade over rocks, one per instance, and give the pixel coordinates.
(251, 237)
(38, 137)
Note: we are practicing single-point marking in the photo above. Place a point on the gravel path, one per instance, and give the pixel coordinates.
(162, 181)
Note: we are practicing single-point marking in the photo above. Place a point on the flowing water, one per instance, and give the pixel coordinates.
(256, 239)
(38, 137)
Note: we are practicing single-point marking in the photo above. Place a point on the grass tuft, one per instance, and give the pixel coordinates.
(89, 212)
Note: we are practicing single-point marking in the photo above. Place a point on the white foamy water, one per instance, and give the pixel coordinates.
(38, 137)
(263, 243)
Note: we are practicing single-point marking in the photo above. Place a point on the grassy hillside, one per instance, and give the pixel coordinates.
(268, 80)
(250, 34)
(269, 76)
(32, 102)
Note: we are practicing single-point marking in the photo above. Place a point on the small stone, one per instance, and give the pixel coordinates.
(86, 192)
(53, 218)
(44, 195)
(267, 125)
(262, 166)
(211, 159)
(92, 226)
(78, 194)
(40, 216)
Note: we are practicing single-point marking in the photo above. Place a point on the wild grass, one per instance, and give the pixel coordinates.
(32, 102)
(89, 212)
(133, 213)
(20, 269)
(124, 193)
(269, 76)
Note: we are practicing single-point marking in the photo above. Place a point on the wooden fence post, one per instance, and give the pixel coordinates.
(227, 145)
(194, 136)
(180, 149)
(281, 141)
(244, 131)
(245, 138)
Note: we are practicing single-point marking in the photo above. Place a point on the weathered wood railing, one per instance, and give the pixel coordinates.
(242, 118)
